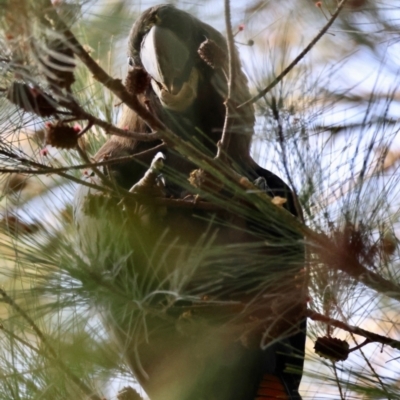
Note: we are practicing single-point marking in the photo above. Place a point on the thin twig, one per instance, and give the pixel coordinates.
(223, 144)
(46, 170)
(298, 58)
(338, 381)
(85, 129)
(368, 362)
(80, 113)
(359, 346)
(103, 178)
(281, 141)
(371, 336)
(231, 49)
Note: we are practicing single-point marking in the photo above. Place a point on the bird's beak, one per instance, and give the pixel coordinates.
(167, 60)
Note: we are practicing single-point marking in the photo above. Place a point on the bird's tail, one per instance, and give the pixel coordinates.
(272, 387)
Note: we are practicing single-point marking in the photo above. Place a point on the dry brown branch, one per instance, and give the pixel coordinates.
(45, 170)
(370, 336)
(144, 156)
(80, 113)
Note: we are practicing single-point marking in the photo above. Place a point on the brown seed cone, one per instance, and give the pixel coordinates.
(137, 81)
(61, 136)
(128, 393)
(332, 348)
(203, 180)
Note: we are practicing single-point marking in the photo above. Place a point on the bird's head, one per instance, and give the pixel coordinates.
(165, 42)
(186, 60)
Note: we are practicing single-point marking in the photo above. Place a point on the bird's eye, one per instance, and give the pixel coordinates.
(130, 61)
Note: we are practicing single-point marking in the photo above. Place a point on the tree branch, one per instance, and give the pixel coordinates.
(144, 156)
(370, 336)
(80, 113)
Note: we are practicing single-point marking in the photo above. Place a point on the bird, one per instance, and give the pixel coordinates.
(207, 292)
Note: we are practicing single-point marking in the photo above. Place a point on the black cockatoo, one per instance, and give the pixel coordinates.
(205, 297)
